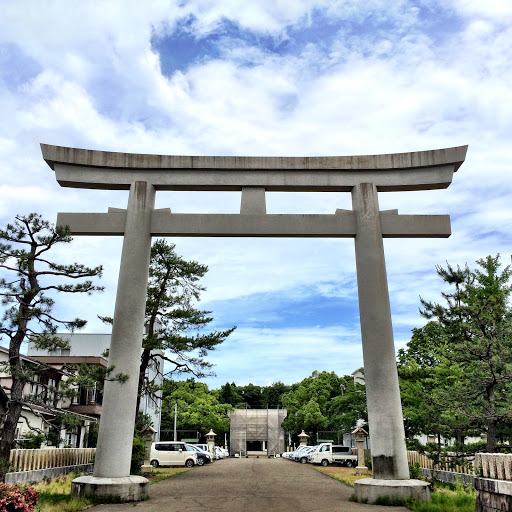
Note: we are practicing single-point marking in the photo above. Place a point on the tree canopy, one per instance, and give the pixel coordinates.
(456, 374)
(324, 402)
(198, 408)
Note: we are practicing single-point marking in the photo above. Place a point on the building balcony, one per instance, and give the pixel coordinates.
(91, 409)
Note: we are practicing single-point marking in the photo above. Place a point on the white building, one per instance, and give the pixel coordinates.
(43, 407)
(93, 349)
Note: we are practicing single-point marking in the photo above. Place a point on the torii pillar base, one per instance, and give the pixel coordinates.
(112, 490)
(368, 490)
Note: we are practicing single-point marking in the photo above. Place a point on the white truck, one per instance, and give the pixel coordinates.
(327, 453)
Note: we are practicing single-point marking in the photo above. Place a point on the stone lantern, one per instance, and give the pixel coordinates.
(147, 434)
(303, 437)
(360, 434)
(210, 439)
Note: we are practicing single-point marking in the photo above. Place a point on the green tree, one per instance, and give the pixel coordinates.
(271, 395)
(251, 396)
(28, 302)
(420, 379)
(311, 404)
(228, 394)
(476, 361)
(347, 408)
(312, 417)
(198, 408)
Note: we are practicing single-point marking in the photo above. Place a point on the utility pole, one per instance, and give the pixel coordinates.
(175, 421)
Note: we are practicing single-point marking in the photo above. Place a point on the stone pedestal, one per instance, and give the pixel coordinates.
(362, 470)
(367, 490)
(147, 469)
(121, 489)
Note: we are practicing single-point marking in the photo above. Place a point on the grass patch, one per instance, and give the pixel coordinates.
(55, 496)
(346, 475)
(446, 500)
(61, 503)
(160, 474)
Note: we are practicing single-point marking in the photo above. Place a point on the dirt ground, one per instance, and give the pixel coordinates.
(249, 485)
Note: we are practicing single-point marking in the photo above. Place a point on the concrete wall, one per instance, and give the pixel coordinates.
(493, 495)
(81, 344)
(28, 477)
(449, 476)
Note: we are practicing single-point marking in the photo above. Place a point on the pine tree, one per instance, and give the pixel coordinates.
(27, 299)
(477, 359)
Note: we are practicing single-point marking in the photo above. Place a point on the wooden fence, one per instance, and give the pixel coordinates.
(448, 462)
(29, 460)
(497, 466)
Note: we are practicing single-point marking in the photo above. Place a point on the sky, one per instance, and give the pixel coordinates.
(266, 78)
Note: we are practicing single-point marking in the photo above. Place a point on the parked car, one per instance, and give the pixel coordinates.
(202, 456)
(209, 449)
(327, 453)
(219, 454)
(303, 455)
(302, 449)
(296, 453)
(290, 455)
(172, 453)
(226, 452)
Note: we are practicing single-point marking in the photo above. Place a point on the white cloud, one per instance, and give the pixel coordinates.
(91, 78)
(263, 356)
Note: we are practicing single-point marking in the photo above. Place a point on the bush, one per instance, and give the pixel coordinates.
(415, 470)
(414, 445)
(15, 498)
(31, 441)
(471, 448)
(138, 454)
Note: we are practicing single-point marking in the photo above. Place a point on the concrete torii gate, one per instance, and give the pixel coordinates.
(363, 176)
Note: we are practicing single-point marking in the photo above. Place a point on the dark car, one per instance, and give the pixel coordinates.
(202, 456)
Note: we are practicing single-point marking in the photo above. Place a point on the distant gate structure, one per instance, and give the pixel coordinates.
(363, 176)
(256, 430)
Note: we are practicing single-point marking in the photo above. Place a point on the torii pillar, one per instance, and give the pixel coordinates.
(363, 176)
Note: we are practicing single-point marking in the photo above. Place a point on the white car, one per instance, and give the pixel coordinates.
(172, 453)
(219, 454)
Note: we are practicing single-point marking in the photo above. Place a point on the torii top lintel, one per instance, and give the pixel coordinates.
(421, 170)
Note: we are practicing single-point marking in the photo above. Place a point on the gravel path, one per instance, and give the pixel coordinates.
(249, 485)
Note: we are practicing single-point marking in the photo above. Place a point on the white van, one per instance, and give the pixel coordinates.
(327, 453)
(172, 453)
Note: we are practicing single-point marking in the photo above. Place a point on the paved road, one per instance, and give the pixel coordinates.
(249, 485)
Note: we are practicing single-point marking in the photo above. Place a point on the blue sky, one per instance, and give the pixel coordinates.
(302, 78)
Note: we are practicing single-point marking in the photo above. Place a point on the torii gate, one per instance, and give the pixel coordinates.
(363, 176)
